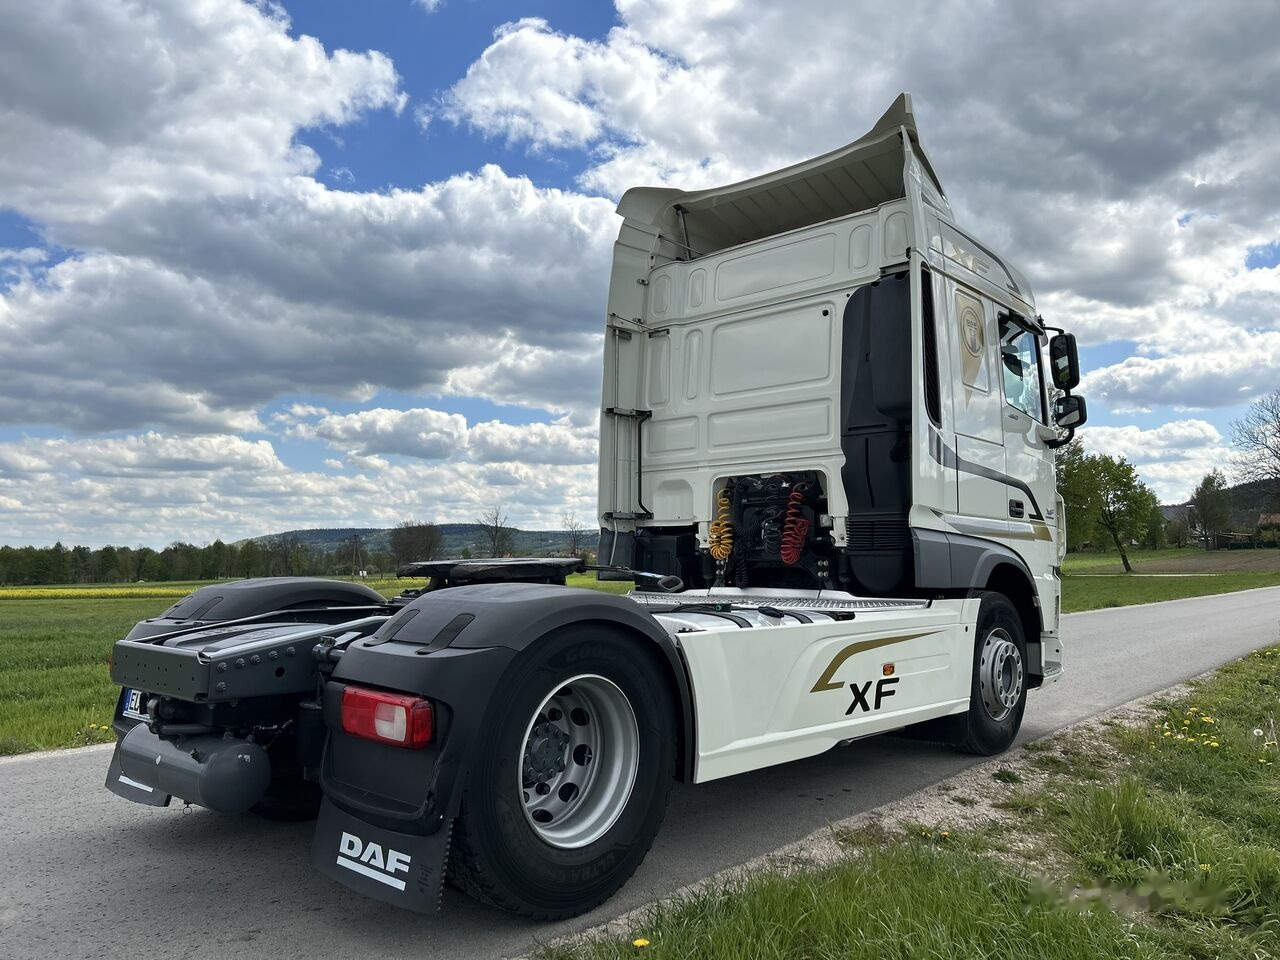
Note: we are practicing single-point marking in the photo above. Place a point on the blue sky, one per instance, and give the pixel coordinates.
(330, 263)
(431, 51)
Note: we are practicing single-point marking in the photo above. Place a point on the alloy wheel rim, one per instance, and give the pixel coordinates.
(1000, 674)
(579, 762)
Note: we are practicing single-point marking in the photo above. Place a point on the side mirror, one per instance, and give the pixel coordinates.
(1064, 362)
(1070, 412)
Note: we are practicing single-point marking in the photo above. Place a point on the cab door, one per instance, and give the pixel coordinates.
(1028, 461)
(978, 410)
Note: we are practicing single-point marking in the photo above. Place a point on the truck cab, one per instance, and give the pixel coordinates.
(832, 325)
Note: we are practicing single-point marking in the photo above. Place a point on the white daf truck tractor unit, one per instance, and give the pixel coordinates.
(826, 458)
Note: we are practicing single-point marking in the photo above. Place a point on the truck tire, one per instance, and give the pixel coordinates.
(998, 695)
(571, 776)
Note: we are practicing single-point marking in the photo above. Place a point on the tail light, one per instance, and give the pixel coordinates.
(399, 719)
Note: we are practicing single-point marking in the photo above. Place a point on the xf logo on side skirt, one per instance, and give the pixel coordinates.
(369, 860)
(884, 690)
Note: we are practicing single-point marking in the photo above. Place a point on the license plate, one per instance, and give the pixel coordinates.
(134, 705)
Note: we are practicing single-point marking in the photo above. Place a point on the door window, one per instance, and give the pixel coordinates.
(1020, 363)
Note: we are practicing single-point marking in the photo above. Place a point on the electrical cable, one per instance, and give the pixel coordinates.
(795, 528)
(720, 533)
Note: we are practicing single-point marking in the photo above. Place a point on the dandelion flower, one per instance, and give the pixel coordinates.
(639, 942)
(1214, 744)
(1168, 734)
(946, 833)
(1204, 867)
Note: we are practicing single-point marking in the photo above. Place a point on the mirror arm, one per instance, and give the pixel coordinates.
(1061, 441)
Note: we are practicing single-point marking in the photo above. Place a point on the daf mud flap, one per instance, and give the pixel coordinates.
(130, 789)
(402, 869)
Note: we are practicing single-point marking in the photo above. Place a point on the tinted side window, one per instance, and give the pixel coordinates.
(1020, 364)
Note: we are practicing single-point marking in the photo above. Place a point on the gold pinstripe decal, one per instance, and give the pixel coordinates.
(826, 683)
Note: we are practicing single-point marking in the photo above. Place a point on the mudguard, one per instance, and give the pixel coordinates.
(403, 869)
(453, 647)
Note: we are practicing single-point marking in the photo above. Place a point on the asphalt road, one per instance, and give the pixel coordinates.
(86, 874)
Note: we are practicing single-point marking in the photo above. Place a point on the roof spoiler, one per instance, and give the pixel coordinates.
(858, 176)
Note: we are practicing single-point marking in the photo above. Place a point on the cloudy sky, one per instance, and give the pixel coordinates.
(328, 263)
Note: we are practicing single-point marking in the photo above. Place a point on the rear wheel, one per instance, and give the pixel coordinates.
(998, 692)
(571, 778)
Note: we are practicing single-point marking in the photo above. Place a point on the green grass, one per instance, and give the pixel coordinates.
(1096, 593)
(1191, 826)
(1142, 845)
(54, 687)
(53, 668)
(903, 900)
(1108, 561)
(1094, 581)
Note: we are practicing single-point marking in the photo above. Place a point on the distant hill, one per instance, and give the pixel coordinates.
(458, 539)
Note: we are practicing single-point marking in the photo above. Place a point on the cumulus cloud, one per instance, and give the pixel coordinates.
(211, 271)
(103, 103)
(313, 291)
(1222, 376)
(124, 490)
(428, 434)
(1172, 457)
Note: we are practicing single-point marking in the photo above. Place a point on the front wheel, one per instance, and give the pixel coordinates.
(571, 776)
(998, 692)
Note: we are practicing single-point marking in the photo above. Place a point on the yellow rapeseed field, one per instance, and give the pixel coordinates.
(95, 591)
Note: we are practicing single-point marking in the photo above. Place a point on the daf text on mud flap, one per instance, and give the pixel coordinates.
(369, 860)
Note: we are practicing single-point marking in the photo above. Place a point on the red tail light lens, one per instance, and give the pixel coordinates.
(399, 719)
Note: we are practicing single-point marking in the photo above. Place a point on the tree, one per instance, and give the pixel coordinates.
(1178, 532)
(575, 532)
(1107, 493)
(1078, 486)
(59, 563)
(1211, 507)
(498, 537)
(152, 567)
(1155, 537)
(1124, 502)
(108, 565)
(249, 563)
(412, 541)
(1257, 438)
